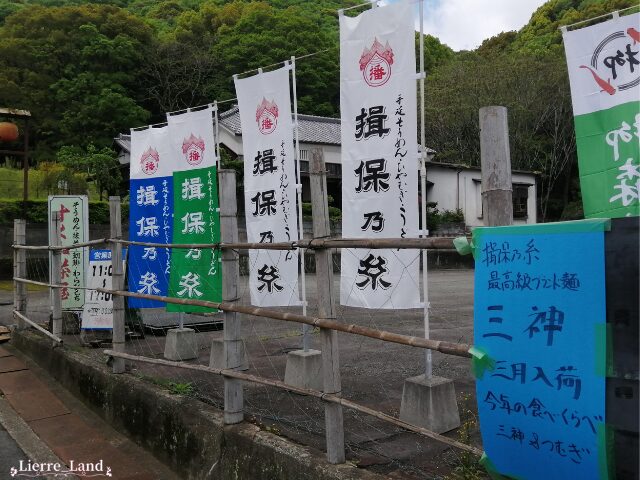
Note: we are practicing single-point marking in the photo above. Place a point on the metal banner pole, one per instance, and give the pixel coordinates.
(424, 232)
(306, 340)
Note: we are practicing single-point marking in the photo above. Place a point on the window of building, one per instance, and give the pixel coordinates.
(304, 154)
(520, 200)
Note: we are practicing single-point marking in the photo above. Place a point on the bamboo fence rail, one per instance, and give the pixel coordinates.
(303, 391)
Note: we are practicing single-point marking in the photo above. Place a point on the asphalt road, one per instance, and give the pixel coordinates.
(10, 453)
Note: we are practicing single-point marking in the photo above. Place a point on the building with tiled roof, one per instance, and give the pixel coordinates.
(451, 186)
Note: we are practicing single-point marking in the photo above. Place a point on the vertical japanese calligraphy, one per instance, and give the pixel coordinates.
(379, 156)
(150, 214)
(538, 311)
(264, 101)
(195, 273)
(73, 228)
(604, 72)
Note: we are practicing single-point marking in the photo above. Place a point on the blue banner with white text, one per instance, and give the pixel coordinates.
(150, 220)
(540, 315)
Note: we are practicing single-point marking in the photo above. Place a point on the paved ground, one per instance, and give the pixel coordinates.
(373, 373)
(10, 453)
(57, 429)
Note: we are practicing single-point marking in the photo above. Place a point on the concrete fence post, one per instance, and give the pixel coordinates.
(56, 278)
(233, 348)
(495, 160)
(117, 278)
(20, 269)
(326, 309)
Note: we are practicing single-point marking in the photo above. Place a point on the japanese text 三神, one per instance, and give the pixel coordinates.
(547, 322)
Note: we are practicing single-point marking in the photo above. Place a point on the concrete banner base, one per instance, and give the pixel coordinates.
(430, 403)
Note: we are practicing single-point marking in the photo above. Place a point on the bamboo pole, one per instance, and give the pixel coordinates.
(35, 282)
(449, 348)
(435, 243)
(55, 338)
(302, 391)
(99, 241)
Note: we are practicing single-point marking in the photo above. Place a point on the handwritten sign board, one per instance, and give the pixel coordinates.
(540, 316)
(73, 228)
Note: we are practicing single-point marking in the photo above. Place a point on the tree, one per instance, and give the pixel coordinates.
(99, 165)
(536, 92)
(77, 69)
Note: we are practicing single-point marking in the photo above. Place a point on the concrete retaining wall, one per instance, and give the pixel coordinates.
(187, 435)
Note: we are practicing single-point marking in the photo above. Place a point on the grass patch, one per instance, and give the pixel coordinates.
(7, 286)
(12, 181)
(187, 389)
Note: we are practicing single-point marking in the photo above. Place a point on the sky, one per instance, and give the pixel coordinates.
(464, 24)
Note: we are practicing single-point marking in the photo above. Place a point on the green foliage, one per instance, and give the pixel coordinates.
(100, 166)
(535, 91)
(90, 69)
(335, 213)
(542, 35)
(186, 389)
(435, 218)
(76, 68)
(37, 212)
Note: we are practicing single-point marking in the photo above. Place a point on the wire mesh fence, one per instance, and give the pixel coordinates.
(373, 371)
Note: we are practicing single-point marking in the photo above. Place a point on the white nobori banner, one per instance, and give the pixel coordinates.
(602, 60)
(150, 153)
(269, 185)
(379, 156)
(191, 137)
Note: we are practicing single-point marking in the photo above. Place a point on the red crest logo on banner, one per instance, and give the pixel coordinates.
(375, 64)
(193, 149)
(149, 161)
(267, 116)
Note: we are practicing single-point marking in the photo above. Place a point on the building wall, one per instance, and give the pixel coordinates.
(234, 143)
(453, 188)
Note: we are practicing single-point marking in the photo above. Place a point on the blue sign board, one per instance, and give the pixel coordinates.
(539, 315)
(150, 220)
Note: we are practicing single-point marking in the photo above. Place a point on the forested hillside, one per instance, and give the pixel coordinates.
(88, 71)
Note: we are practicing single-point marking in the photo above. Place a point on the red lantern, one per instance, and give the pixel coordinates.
(8, 132)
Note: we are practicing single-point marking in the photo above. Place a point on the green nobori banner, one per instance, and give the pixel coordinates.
(608, 154)
(195, 274)
(602, 60)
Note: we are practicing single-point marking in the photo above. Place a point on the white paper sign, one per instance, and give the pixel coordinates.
(379, 156)
(73, 228)
(270, 185)
(97, 313)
